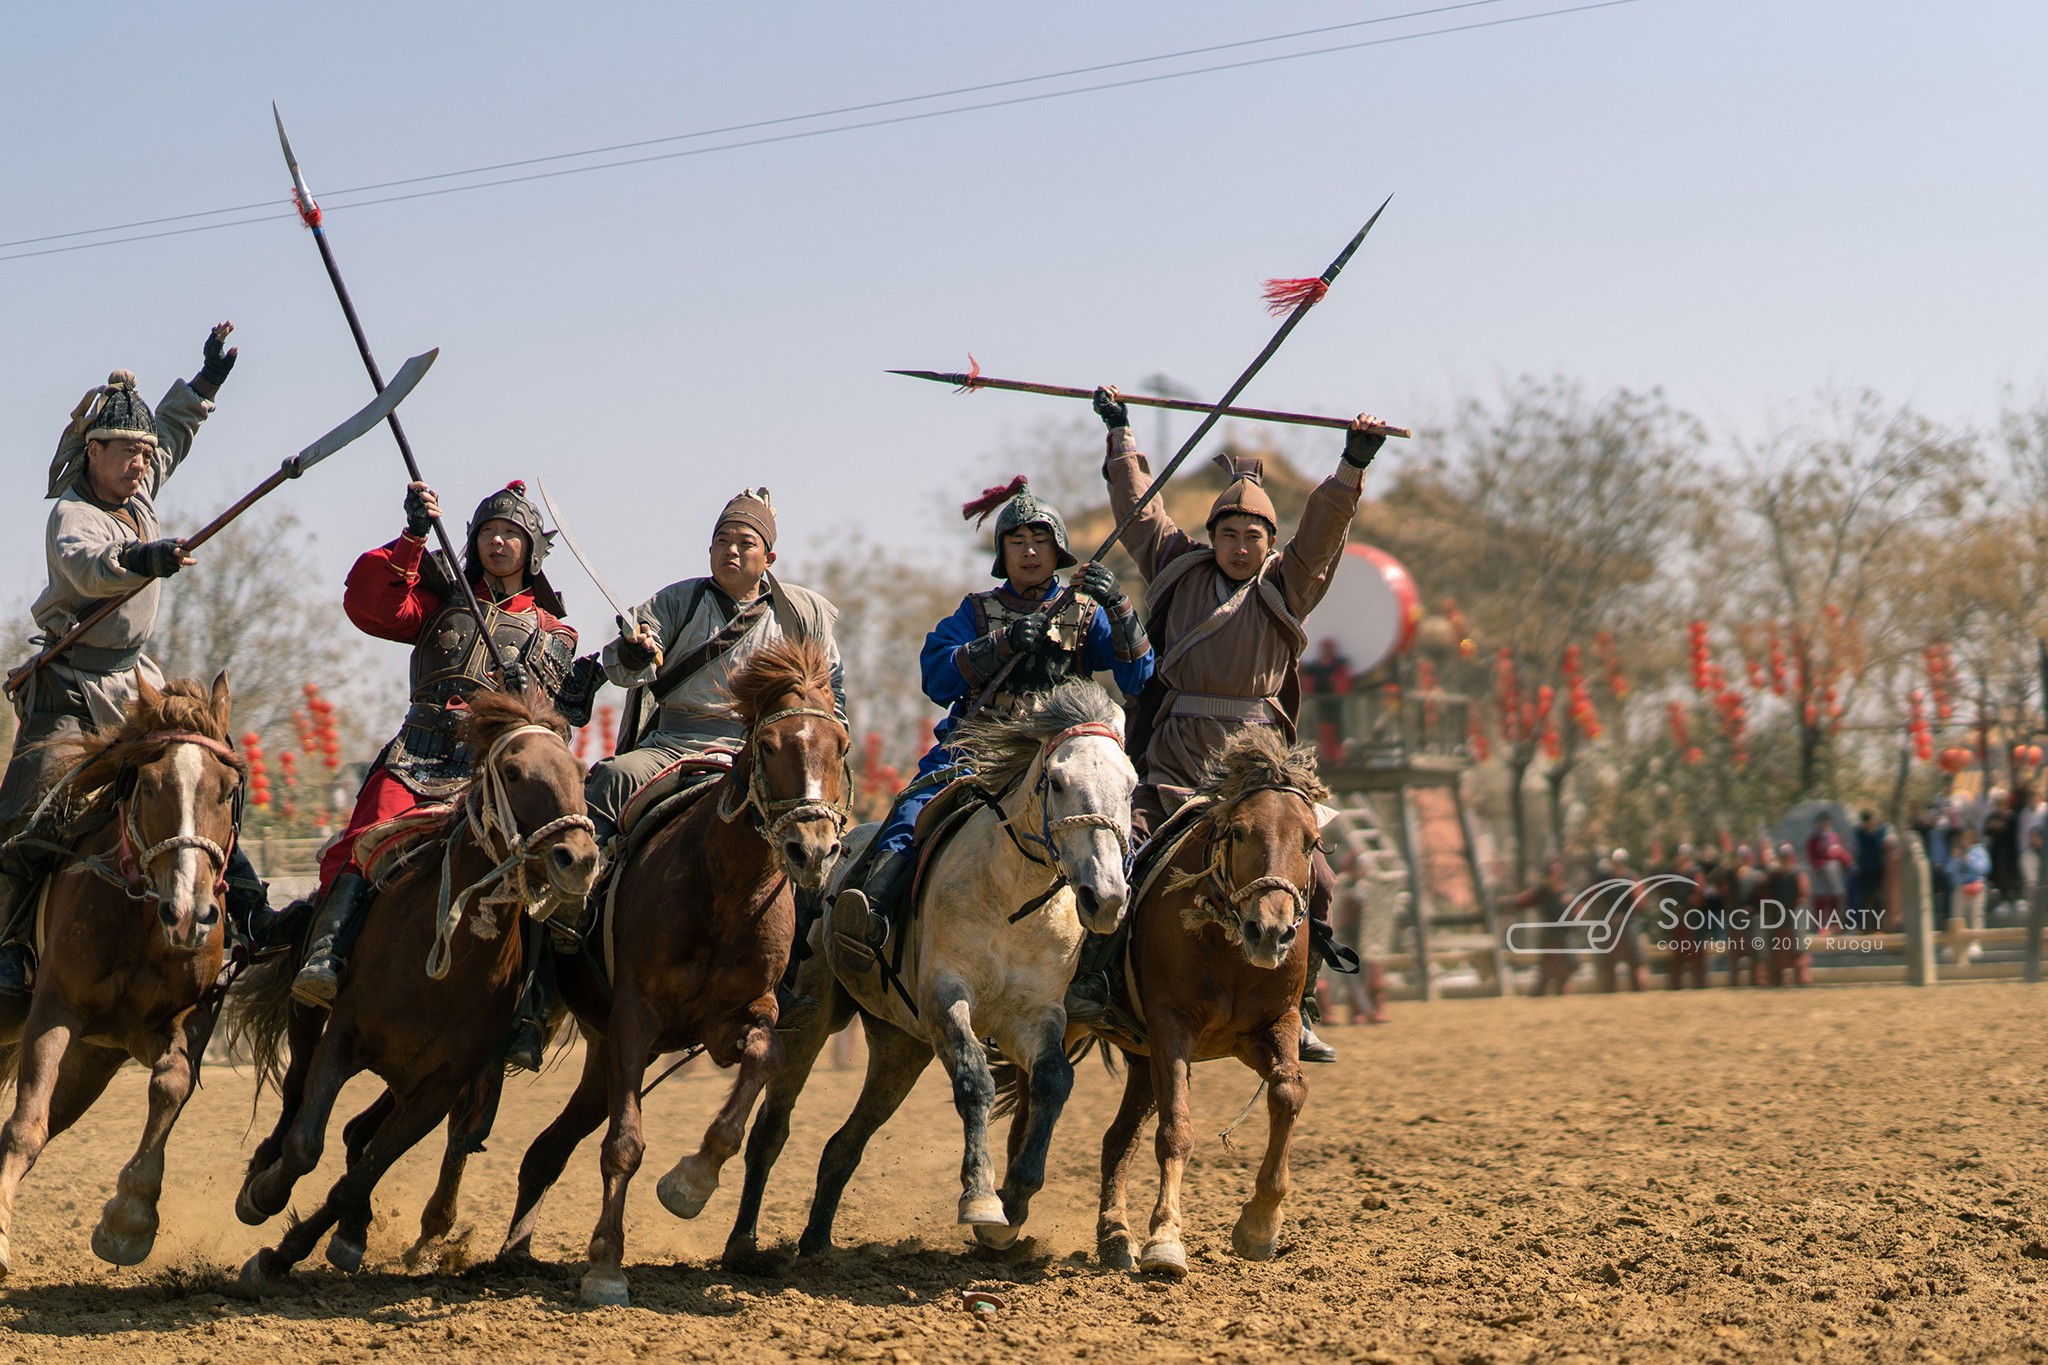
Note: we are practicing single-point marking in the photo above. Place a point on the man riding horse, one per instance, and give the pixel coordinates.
(102, 540)
(400, 592)
(1000, 653)
(1226, 618)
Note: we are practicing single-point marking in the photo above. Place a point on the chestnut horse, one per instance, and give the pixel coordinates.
(701, 926)
(134, 944)
(430, 993)
(1216, 961)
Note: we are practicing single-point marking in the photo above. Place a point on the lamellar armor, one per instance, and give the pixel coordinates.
(1037, 673)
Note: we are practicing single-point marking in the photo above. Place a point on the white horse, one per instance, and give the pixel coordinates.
(1001, 910)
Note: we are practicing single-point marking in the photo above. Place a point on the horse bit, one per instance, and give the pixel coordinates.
(1216, 872)
(1050, 829)
(773, 816)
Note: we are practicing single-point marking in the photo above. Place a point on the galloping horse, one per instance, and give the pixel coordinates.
(426, 1006)
(1215, 964)
(990, 955)
(700, 931)
(133, 944)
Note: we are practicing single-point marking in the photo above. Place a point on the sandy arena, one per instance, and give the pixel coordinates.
(1834, 1174)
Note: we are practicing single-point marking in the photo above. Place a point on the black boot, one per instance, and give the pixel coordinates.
(793, 1012)
(248, 905)
(862, 915)
(1312, 1048)
(17, 924)
(334, 934)
(1321, 896)
(528, 1047)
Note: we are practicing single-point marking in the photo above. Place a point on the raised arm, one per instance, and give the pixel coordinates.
(180, 411)
(1310, 557)
(1152, 538)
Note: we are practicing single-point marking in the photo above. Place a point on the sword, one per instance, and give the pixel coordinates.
(576, 548)
(379, 408)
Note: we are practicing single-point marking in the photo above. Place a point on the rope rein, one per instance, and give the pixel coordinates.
(1049, 829)
(773, 816)
(1226, 905)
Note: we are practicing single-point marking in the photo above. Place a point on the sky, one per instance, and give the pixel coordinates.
(1740, 201)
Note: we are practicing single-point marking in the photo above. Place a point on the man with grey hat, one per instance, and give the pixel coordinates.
(103, 539)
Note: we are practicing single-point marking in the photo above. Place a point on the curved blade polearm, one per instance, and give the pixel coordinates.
(402, 383)
(576, 548)
(309, 214)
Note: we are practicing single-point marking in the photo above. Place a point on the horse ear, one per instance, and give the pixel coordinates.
(150, 696)
(222, 701)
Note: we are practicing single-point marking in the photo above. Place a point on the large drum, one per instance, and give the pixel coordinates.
(1371, 610)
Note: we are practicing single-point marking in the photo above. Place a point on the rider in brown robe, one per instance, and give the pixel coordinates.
(1225, 620)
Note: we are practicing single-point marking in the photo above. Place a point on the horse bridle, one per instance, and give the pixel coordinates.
(774, 815)
(1215, 872)
(131, 873)
(1050, 829)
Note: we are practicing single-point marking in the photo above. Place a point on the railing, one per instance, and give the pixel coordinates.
(1389, 728)
(277, 857)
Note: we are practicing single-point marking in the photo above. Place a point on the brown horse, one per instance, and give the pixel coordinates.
(426, 1006)
(1216, 963)
(702, 921)
(133, 944)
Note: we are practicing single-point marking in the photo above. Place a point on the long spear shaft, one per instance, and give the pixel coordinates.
(1145, 400)
(309, 214)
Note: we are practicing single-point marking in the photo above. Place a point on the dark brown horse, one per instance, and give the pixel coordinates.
(430, 994)
(1217, 959)
(702, 921)
(133, 943)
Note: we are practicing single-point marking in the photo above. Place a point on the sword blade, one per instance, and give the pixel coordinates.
(576, 548)
(373, 413)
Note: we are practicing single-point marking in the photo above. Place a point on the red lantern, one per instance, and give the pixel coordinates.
(1954, 760)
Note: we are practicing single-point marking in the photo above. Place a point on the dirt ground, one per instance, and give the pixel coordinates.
(1836, 1174)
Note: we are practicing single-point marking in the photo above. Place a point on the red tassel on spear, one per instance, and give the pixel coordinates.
(1284, 296)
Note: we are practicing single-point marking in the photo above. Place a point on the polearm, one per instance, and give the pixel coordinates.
(309, 214)
(1297, 297)
(378, 410)
(974, 379)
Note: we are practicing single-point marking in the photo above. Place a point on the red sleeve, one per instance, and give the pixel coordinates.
(384, 597)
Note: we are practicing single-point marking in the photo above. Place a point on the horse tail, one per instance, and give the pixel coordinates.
(259, 1012)
(1011, 1079)
(10, 1062)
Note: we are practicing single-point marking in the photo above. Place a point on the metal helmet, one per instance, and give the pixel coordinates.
(1025, 509)
(509, 504)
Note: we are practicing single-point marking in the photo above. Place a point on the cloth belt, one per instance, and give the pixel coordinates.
(101, 658)
(1244, 710)
(677, 720)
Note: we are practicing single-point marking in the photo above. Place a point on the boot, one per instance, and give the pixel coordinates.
(334, 934)
(17, 957)
(861, 914)
(1087, 998)
(249, 913)
(528, 1047)
(1312, 1048)
(793, 1012)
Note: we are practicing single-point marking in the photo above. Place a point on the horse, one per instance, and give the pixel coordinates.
(132, 925)
(430, 995)
(1004, 901)
(1215, 964)
(701, 927)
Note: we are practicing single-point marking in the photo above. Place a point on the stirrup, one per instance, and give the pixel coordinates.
(1087, 998)
(527, 1048)
(318, 982)
(859, 931)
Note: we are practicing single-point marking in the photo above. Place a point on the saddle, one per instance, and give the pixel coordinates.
(658, 804)
(387, 848)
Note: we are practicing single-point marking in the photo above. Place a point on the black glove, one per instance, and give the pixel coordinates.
(1360, 446)
(1026, 634)
(515, 678)
(156, 558)
(418, 520)
(1098, 582)
(1111, 410)
(633, 656)
(220, 358)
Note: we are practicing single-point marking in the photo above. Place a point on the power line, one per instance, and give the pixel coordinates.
(812, 132)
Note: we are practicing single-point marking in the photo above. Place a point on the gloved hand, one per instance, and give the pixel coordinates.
(636, 650)
(421, 508)
(218, 361)
(1109, 406)
(1026, 634)
(515, 678)
(1361, 445)
(1096, 580)
(156, 558)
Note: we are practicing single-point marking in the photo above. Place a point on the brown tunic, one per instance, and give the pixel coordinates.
(1225, 650)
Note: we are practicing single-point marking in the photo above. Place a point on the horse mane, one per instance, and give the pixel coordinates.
(1256, 757)
(1001, 750)
(492, 715)
(182, 704)
(775, 670)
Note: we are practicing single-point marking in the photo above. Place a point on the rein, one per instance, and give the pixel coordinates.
(1226, 905)
(773, 816)
(487, 811)
(1050, 829)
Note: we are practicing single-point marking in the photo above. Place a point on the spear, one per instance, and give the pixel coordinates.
(309, 214)
(378, 410)
(974, 379)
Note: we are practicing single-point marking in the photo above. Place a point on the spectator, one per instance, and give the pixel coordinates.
(1785, 930)
(1829, 858)
(1934, 827)
(1326, 679)
(1554, 967)
(1627, 950)
(1745, 937)
(2002, 842)
(1968, 867)
(1871, 832)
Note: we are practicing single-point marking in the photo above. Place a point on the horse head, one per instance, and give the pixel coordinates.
(794, 766)
(1263, 834)
(531, 789)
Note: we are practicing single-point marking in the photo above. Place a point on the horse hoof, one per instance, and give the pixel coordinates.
(745, 1258)
(1115, 1254)
(683, 1192)
(6, 1257)
(982, 1210)
(115, 1249)
(1253, 1248)
(344, 1255)
(1168, 1258)
(255, 1280)
(605, 1289)
(995, 1238)
(246, 1210)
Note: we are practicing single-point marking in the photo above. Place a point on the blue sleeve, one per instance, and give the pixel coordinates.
(943, 681)
(1131, 675)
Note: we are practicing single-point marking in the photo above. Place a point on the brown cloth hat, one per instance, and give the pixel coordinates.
(1246, 495)
(751, 508)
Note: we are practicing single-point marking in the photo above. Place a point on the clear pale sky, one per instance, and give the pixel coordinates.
(1739, 200)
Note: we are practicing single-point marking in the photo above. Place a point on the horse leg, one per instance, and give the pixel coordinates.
(468, 1125)
(265, 1194)
(604, 1281)
(44, 1042)
(1171, 1046)
(1051, 1080)
(689, 1184)
(895, 1060)
(974, 1095)
(1119, 1145)
(1274, 1055)
(771, 1124)
(305, 1026)
(549, 1153)
(357, 1132)
(127, 1226)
